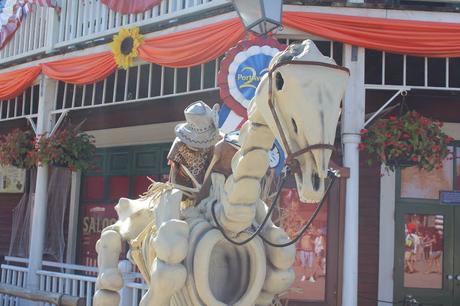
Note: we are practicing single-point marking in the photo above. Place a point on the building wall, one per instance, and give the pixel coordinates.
(369, 202)
(8, 200)
(7, 203)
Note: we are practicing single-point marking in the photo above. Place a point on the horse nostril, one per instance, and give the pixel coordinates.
(315, 181)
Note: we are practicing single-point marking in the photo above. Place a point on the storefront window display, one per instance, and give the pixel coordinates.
(311, 249)
(422, 184)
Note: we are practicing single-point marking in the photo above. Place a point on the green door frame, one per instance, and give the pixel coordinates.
(442, 296)
(449, 295)
(457, 258)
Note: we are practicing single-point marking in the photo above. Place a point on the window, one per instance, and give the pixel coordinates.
(419, 184)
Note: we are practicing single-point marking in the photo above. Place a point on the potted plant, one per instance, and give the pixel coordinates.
(18, 149)
(68, 148)
(408, 140)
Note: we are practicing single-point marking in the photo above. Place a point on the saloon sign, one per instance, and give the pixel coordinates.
(94, 218)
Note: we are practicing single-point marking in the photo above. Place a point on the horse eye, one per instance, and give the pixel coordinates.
(294, 125)
(279, 81)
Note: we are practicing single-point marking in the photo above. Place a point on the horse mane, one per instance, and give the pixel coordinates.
(302, 51)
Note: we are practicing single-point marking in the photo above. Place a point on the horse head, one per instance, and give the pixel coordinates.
(306, 92)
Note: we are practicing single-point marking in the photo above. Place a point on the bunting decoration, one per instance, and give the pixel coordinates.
(130, 6)
(48, 3)
(11, 16)
(81, 70)
(13, 83)
(192, 47)
(203, 44)
(417, 38)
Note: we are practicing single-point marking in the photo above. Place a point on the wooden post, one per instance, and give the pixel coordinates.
(41, 296)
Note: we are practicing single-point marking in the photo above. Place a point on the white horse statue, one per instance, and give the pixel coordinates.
(181, 252)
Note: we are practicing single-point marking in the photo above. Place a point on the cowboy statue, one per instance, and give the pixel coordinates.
(206, 237)
(191, 153)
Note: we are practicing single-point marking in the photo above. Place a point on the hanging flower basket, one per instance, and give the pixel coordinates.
(68, 148)
(18, 149)
(410, 140)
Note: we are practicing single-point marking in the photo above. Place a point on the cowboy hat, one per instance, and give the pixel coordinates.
(201, 127)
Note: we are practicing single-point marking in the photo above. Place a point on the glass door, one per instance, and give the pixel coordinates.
(424, 254)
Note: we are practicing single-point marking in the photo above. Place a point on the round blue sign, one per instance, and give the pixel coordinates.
(250, 72)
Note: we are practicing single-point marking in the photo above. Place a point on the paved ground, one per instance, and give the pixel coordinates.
(306, 290)
(421, 279)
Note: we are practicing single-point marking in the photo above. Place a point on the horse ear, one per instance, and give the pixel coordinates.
(279, 81)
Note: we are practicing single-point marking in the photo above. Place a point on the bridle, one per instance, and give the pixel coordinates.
(291, 161)
(291, 158)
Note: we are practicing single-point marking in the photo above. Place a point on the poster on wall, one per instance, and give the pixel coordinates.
(311, 249)
(12, 179)
(94, 218)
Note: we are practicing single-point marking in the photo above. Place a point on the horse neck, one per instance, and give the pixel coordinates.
(249, 166)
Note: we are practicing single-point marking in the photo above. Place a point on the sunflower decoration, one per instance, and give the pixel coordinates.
(125, 46)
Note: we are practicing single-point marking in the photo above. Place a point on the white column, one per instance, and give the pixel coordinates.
(37, 235)
(73, 218)
(387, 236)
(352, 122)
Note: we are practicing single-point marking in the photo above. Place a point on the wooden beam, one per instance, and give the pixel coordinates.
(41, 296)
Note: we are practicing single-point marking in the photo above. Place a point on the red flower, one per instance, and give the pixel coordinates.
(364, 131)
(392, 118)
(414, 158)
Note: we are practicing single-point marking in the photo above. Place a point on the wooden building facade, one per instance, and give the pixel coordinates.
(132, 114)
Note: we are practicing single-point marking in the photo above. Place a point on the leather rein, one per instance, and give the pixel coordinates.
(291, 158)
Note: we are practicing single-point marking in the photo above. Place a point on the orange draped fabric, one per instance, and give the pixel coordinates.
(193, 47)
(81, 70)
(203, 44)
(419, 38)
(15, 82)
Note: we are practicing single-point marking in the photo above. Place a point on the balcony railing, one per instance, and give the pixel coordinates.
(74, 280)
(31, 37)
(44, 30)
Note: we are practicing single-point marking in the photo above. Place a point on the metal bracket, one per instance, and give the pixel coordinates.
(58, 123)
(402, 91)
(32, 124)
